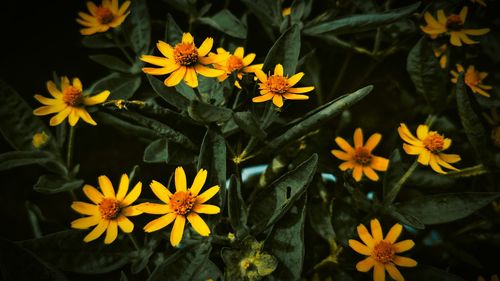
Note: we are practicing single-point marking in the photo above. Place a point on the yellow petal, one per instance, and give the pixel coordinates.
(175, 77)
(205, 47)
(342, 143)
(77, 84)
(278, 70)
(96, 99)
(47, 101)
(198, 182)
(379, 272)
(177, 230)
(424, 157)
(404, 261)
(122, 188)
(394, 272)
(171, 67)
(206, 209)
(464, 38)
(49, 109)
(84, 223)
(376, 229)
(463, 13)
(442, 19)
(444, 163)
(154, 208)
(341, 155)
(365, 236)
(111, 232)
(394, 233)
(64, 83)
(357, 173)
(370, 173)
(422, 131)
(209, 193)
(53, 91)
(207, 71)
(455, 39)
(261, 75)
(412, 150)
(180, 179)
(85, 208)
(360, 248)
(449, 158)
(198, 224)
(159, 61)
(124, 7)
(165, 49)
(59, 117)
(346, 165)
(295, 79)
(379, 163)
(86, 116)
(365, 265)
(131, 211)
(434, 164)
(106, 186)
(403, 246)
(133, 195)
(407, 136)
(97, 231)
(125, 224)
(187, 38)
(373, 141)
(239, 52)
(190, 78)
(358, 138)
(248, 59)
(263, 98)
(93, 194)
(300, 90)
(161, 191)
(73, 116)
(295, 96)
(278, 100)
(480, 31)
(160, 222)
(430, 20)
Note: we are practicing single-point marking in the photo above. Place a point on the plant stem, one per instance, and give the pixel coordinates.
(69, 156)
(120, 46)
(397, 187)
(197, 93)
(136, 246)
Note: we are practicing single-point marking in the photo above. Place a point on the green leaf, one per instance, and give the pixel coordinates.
(394, 172)
(474, 129)
(249, 124)
(168, 94)
(237, 208)
(156, 152)
(207, 113)
(173, 33)
(51, 184)
(272, 202)
(226, 22)
(360, 23)
(184, 265)
(468, 172)
(163, 151)
(67, 251)
(98, 41)
(138, 26)
(319, 211)
(139, 132)
(111, 62)
(314, 119)
(123, 277)
(443, 208)
(14, 159)
(18, 264)
(285, 51)
(286, 242)
(120, 86)
(428, 273)
(17, 122)
(211, 90)
(427, 76)
(405, 219)
(267, 12)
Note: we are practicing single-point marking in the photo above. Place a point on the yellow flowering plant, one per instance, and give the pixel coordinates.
(277, 140)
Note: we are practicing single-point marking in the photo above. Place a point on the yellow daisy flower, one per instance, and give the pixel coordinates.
(493, 278)
(109, 210)
(39, 140)
(69, 101)
(278, 86)
(237, 62)
(184, 61)
(101, 18)
(473, 78)
(452, 25)
(360, 157)
(428, 145)
(183, 204)
(440, 53)
(382, 252)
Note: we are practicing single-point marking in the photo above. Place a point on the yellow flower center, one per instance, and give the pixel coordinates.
(362, 156)
(182, 202)
(383, 252)
(434, 142)
(185, 54)
(72, 96)
(109, 209)
(472, 77)
(234, 63)
(454, 22)
(277, 84)
(104, 15)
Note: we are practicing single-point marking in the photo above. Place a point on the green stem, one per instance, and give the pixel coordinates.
(397, 187)
(378, 41)
(197, 93)
(236, 99)
(69, 151)
(136, 246)
(120, 46)
(266, 118)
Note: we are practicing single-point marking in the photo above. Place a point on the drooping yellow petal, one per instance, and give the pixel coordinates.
(263, 98)
(424, 157)
(357, 173)
(342, 143)
(198, 224)
(86, 222)
(160, 222)
(394, 272)
(407, 136)
(449, 158)
(358, 138)
(403, 246)
(455, 39)
(180, 179)
(376, 229)
(154, 208)
(365, 265)
(412, 150)
(177, 230)
(198, 182)
(96, 99)
(379, 272)
(444, 163)
(206, 209)
(175, 77)
(125, 224)
(133, 195)
(93, 194)
(85, 208)
(190, 78)
(404, 261)
(111, 232)
(86, 116)
(106, 186)
(122, 187)
(73, 116)
(161, 191)
(59, 117)
(278, 100)
(464, 38)
(360, 248)
(394, 233)
(97, 231)
(209, 193)
(370, 173)
(300, 90)
(261, 75)
(365, 236)
(434, 164)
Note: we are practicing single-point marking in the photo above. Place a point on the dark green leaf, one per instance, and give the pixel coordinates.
(163, 151)
(315, 118)
(426, 74)
(185, 6)
(111, 62)
(207, 113)
(120, 86)
(406, 219)
(123, 277)
(138, 27)
(156, 152)
(285, 51)
(67, 251)
(319, 211)
(173, 33)
(211, 90)
(139, 132)
(286, 242)
(226, 22)
(237, 208)
(51, 184)
(272, 202)
(98, 41)
(13, 159)
(443, 208)
(185, 265)
(168, 94)
(267, 11)
(249, 124)
(18, 264)
(359, 23)
(394, 172)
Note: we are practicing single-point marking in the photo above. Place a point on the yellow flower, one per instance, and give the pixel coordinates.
(109, 210)
(237, 62)
(440, 53)
(360, 157)
(183, 204)
(452, 25)
(473, 79)
(39, 139)
(286, 11)
(493, 278)
(382, 252)
(184, 61)
(101, 18)
(69, 101)
(428, 145)
(278, 86)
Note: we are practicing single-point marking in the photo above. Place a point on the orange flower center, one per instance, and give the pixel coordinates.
(104, 15)
(234, 63)
(72, 96)
(277, 84)
(472, 77)
(362, 156)
(185, 54)
(383, 252)
(182, 202)
(109, 209)
(454, 22)
(434, 142)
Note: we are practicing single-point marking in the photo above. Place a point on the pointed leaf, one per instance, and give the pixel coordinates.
(226, 22)
(51, 184)
(111, 62)
(285, 51)
(119, 85)
(207, 113)
(138, 26)
(173, 33)
(237, 208)
(168, 94)
(249, 124)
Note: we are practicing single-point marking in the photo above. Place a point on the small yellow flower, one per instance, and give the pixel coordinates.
(440, 53)
(278, 86)
(39, 139)
(69, 101)
(429, 146)
(237, 62)
(183, 204)
(493, 278)
(184, 61)
(286, 11)
(452, 25)
(473, 78)
(101, 18)
(360, 157)
(382, 252)
(109, 210)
